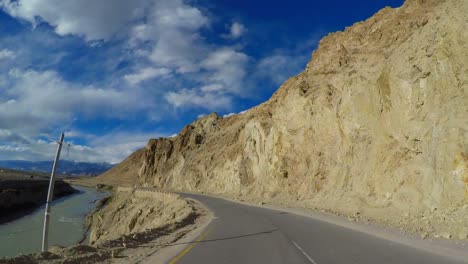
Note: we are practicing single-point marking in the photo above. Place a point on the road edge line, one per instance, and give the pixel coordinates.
(190, 247)
(304, 253)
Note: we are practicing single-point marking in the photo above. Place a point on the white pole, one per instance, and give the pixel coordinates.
(50, 197)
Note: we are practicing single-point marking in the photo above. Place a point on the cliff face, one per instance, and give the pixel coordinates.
(375, 126)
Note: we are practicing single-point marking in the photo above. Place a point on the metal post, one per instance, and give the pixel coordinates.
(50, 197)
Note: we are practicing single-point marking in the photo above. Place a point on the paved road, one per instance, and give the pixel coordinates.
(242, 234)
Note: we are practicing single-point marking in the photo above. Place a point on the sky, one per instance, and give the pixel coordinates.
(112, 74)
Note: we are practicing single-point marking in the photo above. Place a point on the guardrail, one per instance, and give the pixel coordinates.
(150, 193)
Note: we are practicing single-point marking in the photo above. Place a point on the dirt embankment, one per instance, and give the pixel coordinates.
(20, 197)
(131, 211)
(126, 228)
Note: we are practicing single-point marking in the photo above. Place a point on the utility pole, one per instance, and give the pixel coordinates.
(50, 197)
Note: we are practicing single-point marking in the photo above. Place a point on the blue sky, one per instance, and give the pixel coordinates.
(114, 73)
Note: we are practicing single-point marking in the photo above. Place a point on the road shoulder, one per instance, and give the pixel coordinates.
(169, 252)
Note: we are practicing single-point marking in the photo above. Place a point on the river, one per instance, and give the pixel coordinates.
(66, 226)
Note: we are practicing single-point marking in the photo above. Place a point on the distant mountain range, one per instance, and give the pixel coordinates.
(65, 167)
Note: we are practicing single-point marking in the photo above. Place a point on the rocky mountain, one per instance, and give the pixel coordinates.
(67, 167)
(375, 127)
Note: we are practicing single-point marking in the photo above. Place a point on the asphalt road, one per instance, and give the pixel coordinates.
(244, 234)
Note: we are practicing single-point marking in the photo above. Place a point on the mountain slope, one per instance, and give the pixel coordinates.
(125, 173)
(375, 127)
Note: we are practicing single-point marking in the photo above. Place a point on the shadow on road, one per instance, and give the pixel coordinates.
(224, 238)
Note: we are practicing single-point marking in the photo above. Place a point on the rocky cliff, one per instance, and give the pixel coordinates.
(374, 127)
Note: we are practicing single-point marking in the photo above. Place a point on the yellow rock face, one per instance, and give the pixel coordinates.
(377, 124)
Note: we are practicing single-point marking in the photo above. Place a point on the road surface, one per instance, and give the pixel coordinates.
(242, 234)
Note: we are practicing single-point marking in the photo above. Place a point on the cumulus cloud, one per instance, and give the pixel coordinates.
(228, 115)
(173, 29)
(159, 42)
(212, 88)
(37, 104)
(47, 92)
(94, 20)
(195, 98)
(33, 101)
(6, 54)
(229, 68)
(7, 135)
(112, 147)
(237, 30)
(177, 50)
(225, 71)
(146, 74)
(166, 35)
(233, 114)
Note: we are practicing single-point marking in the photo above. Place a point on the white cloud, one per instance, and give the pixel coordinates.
(46, 91)
(112, 147)
(177, 50)
(36, 104)
(233, 114)
(6, 135)
(228, 67)
(228, 115)
(146, 74)
(176, 14)
(237, 30)
(94, 20)
(35, 100)
(162, 40)
(165, 36)
(173, 28)
(7, 148)
(212, 88)
(194, 98)
(7, 54)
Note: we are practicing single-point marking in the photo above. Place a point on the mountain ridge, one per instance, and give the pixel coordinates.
(65, 167)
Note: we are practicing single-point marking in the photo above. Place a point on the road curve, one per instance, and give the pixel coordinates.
(242, 234)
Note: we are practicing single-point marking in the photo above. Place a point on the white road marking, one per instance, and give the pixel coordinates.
(304, 253)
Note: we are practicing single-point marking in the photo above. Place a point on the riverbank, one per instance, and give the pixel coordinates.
(68, 216)
(21, 197)
(127, 227)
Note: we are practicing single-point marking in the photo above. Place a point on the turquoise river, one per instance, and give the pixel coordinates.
(24, 235)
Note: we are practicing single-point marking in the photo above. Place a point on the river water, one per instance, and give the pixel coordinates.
(66, 225)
